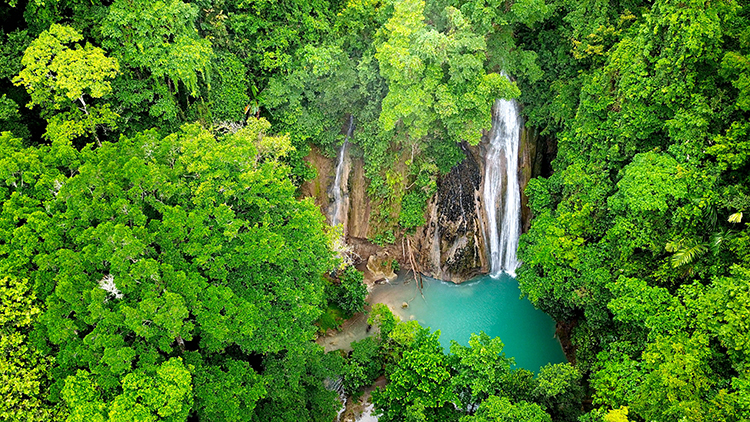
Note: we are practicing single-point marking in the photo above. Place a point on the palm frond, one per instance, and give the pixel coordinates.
(675, 245)
(688, 255)
(719, 239)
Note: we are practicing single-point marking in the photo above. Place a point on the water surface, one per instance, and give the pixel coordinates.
(483, 304)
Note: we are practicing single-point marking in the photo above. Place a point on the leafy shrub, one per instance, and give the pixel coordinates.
(412, 210)
(348, 296)
(363, 367)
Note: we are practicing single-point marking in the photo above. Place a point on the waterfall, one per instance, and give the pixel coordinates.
(367, 414)
(337, 384)
(501, 175)
(338, 196)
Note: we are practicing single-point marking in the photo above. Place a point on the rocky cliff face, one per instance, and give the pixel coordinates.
(355, 204)
(358, 223)
(318, 187)
(451, 245)
(376, 261)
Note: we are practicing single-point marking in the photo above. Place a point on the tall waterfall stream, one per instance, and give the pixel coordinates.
(501, 180)
(339, 212)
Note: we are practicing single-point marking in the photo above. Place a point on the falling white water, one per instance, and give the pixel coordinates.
(367, 414)
(337, 384)
(338, 195)
(342, 399)
(501, 175)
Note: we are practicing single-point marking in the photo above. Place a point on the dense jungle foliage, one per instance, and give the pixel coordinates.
(156, 262)
(639, 238)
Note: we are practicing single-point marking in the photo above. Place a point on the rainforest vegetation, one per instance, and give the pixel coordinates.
(158, 263)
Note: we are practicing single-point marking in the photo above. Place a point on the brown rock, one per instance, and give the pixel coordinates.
(359, 202)
(451, 245)
(380, 266)
(317, 188)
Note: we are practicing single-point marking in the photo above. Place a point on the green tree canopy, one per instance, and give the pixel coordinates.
(155, 246)
(62, 80)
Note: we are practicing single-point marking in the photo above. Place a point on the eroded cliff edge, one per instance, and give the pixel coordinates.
(451, 245)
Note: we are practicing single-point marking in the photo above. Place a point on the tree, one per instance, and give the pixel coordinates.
(559, 391)
(60, 78)
(295, 385)
(24, 369)
(436, 78)
(500, 409)
(683, 371)
(154, 246)
(229, 90)
(420, 385)
(350, 294)
(648, 161)
(482, 369)
(363, 367)
(165, 395)
(163, 57)
(226, 388)
(384, 319)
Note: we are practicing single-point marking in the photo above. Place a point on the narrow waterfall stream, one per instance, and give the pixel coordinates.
(501, 188)
(337, 385)
(339, 211)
